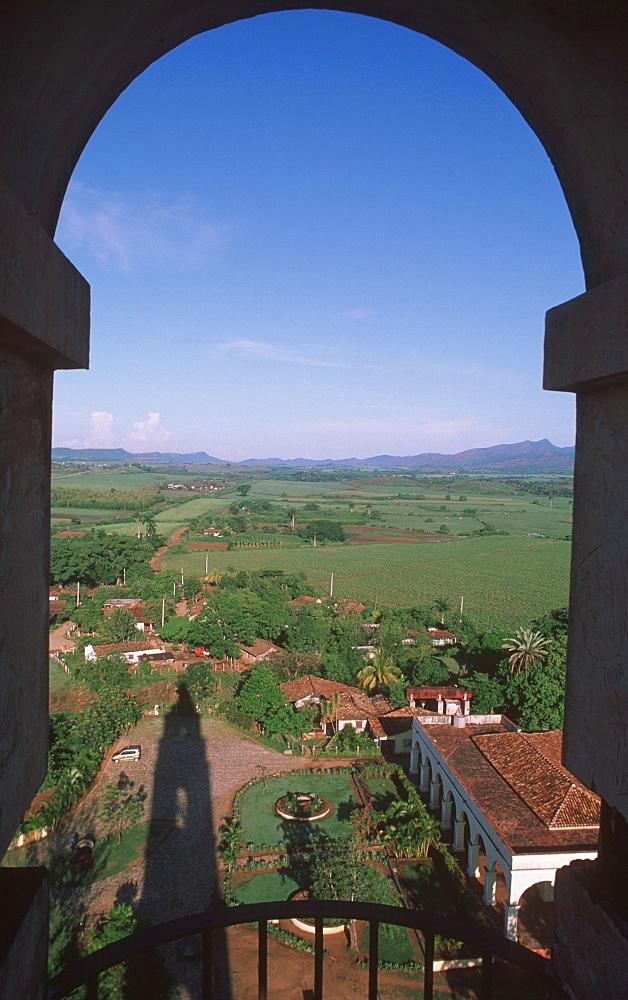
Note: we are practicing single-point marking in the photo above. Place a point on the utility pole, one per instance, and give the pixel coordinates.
(206, 563)
(182, 576)
(163, 611)
(314, 542)
(331, 586)
(78, 593)
(124, 577)
(461, 607)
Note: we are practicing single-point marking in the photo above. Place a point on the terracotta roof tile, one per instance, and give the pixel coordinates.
(259, 648)
(512, 816)
(545, 786)
(311, 686)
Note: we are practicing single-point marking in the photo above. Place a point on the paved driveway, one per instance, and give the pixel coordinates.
(189, 771)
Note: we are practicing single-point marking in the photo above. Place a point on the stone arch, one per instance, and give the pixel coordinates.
(82, 57)
(536, 915)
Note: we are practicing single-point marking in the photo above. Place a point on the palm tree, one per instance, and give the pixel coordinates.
(378, 672)
(329, 709)
(442, 607)
(526, 649)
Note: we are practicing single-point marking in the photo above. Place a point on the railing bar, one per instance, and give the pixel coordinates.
(373, 958)
(428, 977)
(207, 962)
(486, 991)
(318, 958)
(92, 987)
(262, 960)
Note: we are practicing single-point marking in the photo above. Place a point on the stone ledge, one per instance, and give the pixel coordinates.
(44, 300)
(586, 339)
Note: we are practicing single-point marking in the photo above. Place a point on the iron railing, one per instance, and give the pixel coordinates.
(487, 944)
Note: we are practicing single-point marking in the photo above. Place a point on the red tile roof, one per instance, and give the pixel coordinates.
(260, 647)
(304, 599)
(311, 686)
(546, 786)
(509, 810)
(353, 704)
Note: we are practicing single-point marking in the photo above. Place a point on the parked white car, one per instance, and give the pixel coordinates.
(127, 753)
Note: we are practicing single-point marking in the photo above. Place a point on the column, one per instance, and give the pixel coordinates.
(414, 760)
(435, 789)
(472, 860)
(424, 779)
(547, 892)
(490, 878)
(445, 814)
(511, 921)
(459, 827)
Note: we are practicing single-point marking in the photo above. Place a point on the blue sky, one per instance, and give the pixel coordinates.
(315, 234)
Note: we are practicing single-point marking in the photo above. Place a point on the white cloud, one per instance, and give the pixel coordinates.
(101, 435)
(360, 313)
(148, 433)
(256, 349)
(123, 230)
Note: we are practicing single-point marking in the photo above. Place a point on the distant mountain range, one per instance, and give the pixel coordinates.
(525, 457)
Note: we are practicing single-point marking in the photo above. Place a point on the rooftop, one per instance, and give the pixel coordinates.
(520, 786)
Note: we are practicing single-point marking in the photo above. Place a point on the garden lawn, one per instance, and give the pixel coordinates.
(383, 792)
(262, 828)
(270, 887)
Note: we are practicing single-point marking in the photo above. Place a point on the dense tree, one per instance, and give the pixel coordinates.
(343, 874)
(105, 672)
(261, 700)
(538, 695)
(408, 828)
(323, 531)
(488, 693)
(244, 489)
(98, 558)
(120, 806)
(118, 626)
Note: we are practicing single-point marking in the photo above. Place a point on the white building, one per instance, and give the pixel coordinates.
(506, 794)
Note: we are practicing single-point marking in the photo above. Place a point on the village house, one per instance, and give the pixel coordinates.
(146, 649)
(507, 801)
(351, 707)
(258, 651)
(441, 637)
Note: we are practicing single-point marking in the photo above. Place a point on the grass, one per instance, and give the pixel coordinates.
(394, 944)
(269, 887)
(58, 680)
(109, 856)
(382, 791)
(261, 827)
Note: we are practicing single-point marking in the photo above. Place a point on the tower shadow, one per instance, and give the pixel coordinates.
(180, 867)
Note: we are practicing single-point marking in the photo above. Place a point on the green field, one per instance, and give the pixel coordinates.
(506, 580)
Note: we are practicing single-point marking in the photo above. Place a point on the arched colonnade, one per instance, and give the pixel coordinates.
(472, 835)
